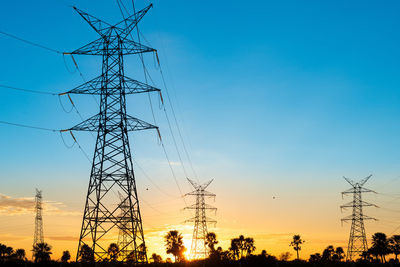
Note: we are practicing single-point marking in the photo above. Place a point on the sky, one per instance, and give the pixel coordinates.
(276, 101)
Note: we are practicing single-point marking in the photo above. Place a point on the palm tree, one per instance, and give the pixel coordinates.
(296, 244)
(394, 244)
(5, 251)
(113, 251)
(86, 254)
(66, 256)
(42, 252)
(174, 245)
(156, 258)
(234, 248)
(211, 241)
(380, 244)
(20, 254)
(249, 245)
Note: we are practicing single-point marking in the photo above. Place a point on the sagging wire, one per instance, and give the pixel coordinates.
(65, 144)
(29, 42)
(27, 90)
(66, 66)
(28, 126)
(62, 105)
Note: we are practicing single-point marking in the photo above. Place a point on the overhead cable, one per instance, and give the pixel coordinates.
(29, 42)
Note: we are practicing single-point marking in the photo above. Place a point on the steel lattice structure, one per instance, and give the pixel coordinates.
(198, 248)
(38, 235)
(357, 240)
(112, 167)
(123, 235)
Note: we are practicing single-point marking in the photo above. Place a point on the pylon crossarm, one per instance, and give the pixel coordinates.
(208, 194)
(92, 124)
(366, 190)
(363, 181)
(206, 206)
(98, 25)
(365, 217)
(94, 87)
(125, 27)
(194, 184)
(205, 185)
(347, 205)
(367, 204)
(349, 181)
(96, 48)
(200, 193)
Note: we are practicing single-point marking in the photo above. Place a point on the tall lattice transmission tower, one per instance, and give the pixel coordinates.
(198, 248)
(124, 230)
(112, 167)
(38, 235)
(357, 240)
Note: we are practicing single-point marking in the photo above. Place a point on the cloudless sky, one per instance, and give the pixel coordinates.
(274, 99)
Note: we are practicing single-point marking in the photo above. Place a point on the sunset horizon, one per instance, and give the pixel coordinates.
(137, 131)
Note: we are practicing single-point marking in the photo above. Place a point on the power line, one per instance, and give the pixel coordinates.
(146, 74)
(177, 125)
(152, 181)
(27, 90)
(29, 42)
(28, 126)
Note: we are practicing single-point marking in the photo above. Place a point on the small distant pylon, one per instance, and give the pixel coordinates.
(199, 249)
(124, 235)
(357, 240)
(38, 235)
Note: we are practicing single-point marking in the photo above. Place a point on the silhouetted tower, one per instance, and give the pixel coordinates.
(112, 167)
(199, 249)
(124, 230)
(38, 235)
(357, 240)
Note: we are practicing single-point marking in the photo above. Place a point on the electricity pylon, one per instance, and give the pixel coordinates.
(112, 167)
(38, 235)
(199, 249)
(123, 235)
(357, 240)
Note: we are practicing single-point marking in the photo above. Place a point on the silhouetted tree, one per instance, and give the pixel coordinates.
(394, 245)
(314, 258)
(380, 245)
(168, 260)
(156, 258)
(240, 246)
(249, 246)
(211, 241)
(338, 255)
(296, 244)
(86, 254)
(174, 245)
(327, 254)
(264, 253)
(42, 252)
(113, 251)
(365, 256)
(20, 254)
(5, 252)
(285, 256)
(235, 248)
(66, 256)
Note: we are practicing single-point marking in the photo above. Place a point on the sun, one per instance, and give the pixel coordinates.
(187, 243)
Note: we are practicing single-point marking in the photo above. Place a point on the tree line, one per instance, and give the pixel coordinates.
(241, 249)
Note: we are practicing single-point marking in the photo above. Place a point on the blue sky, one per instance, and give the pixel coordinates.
(274, 97)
